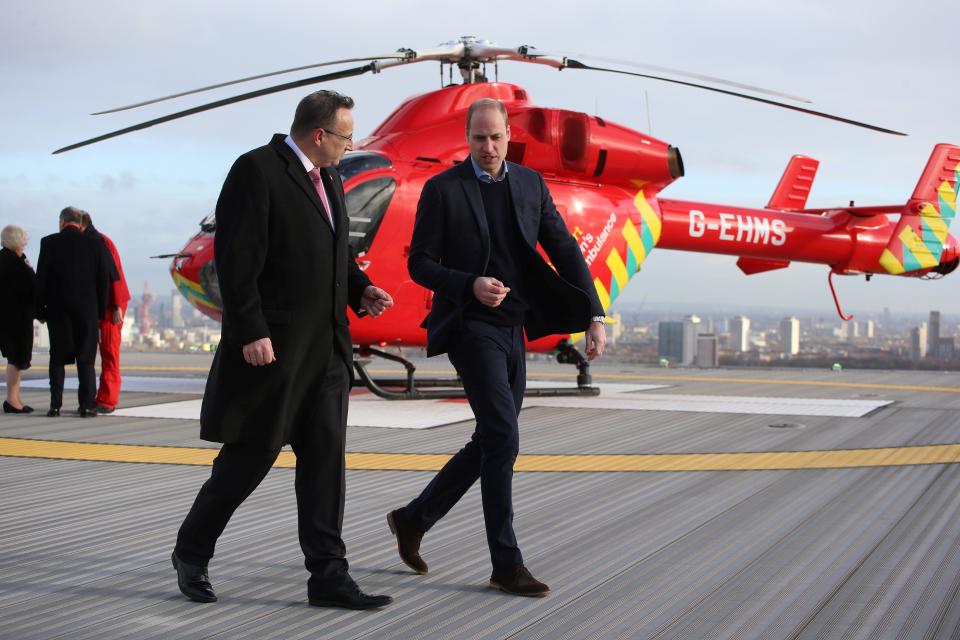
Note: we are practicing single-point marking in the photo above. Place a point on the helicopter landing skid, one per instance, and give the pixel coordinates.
(412, 388)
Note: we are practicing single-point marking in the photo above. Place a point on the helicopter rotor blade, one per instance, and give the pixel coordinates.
(692, 76)
(337, 75)
(574, 64)
(400, 54)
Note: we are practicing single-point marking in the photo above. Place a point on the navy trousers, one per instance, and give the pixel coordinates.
(490, 361)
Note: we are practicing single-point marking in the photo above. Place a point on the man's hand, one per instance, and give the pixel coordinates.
(596, 339)
(489, 291)
(375, 301)
(259, 352)
(116, 316)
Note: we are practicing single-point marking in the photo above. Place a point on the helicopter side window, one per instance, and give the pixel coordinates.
(367, 202)
(357, 162)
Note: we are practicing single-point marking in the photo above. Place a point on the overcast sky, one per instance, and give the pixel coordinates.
(884, 62)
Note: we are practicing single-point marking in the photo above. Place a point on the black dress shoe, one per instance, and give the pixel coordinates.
(193, 581)
(9, 408)
(408, 541)
(88, 413)
(517, 581)
(349, 596)
(102, 410)
(53, 413)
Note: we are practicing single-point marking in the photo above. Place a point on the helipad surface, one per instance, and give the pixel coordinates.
(658, 522)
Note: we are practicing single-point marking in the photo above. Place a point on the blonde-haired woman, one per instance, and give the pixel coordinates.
(16, 318)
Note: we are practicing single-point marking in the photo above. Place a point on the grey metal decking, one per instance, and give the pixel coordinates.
(869, 552)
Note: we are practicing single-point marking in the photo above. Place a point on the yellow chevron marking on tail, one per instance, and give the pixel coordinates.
(633, 240)
(650, 217)
(939, 227)
(913, 244)
(617, 268)
(603, 293)
(948, 194)
(889, 262)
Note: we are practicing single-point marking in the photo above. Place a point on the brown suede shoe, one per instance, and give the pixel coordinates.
(408, 541)
(517, 581)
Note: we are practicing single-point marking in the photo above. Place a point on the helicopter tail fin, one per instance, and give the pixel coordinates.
(920, 237)
(794, 186)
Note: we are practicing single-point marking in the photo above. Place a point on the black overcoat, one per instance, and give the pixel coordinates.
(16, 317)
(450, 248)
(72, 290)
(285, 275)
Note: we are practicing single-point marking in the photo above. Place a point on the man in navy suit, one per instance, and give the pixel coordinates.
(474, 245)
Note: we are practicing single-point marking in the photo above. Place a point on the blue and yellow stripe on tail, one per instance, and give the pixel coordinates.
(919, 239)
(625, 257)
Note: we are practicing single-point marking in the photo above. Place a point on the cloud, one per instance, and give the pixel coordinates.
(123, 181)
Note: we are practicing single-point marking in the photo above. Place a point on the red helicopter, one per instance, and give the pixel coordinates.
(605, 180)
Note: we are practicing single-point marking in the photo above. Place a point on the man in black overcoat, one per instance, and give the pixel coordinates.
(281, 374)
(72, 288)
(474, 245)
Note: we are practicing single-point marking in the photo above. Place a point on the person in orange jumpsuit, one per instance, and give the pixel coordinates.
(110, 326)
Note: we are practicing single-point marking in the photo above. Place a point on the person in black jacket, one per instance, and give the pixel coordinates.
(16, 319)
(281, 374)
(474, 245)
(72, 288)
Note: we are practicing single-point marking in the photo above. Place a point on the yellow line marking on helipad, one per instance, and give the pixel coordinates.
(633, 376)
(745, 461)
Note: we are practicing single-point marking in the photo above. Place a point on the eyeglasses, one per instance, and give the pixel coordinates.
(348, 138)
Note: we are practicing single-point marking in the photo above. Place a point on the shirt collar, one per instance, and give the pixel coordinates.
(307, 164)
(483, 176)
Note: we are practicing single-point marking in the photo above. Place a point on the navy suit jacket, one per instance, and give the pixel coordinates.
(450, 248)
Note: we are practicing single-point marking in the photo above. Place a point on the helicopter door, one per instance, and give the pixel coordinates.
(367, 203)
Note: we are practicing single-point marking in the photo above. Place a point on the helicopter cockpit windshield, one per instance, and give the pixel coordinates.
(367, 200)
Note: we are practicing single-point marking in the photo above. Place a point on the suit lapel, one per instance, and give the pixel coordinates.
(468, 180)
(299, 175)
(517, 192)
(331, 182)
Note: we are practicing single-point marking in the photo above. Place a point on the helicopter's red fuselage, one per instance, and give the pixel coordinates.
(604, 179)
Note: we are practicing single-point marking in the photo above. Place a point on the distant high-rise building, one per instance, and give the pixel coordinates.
(691, 329)
(947, 349)
(740, 333)
(790, 336)
(616, 329)
(41, 339)
(846, 332)
(918, 342)
(176, 310)
(670, 341)
(869, 328)
(933, 335)
(707, 350)
(144, 319)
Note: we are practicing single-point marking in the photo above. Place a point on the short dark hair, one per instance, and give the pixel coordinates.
(86, 221)
(72, 215)
(487, 103)
(318, 110)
